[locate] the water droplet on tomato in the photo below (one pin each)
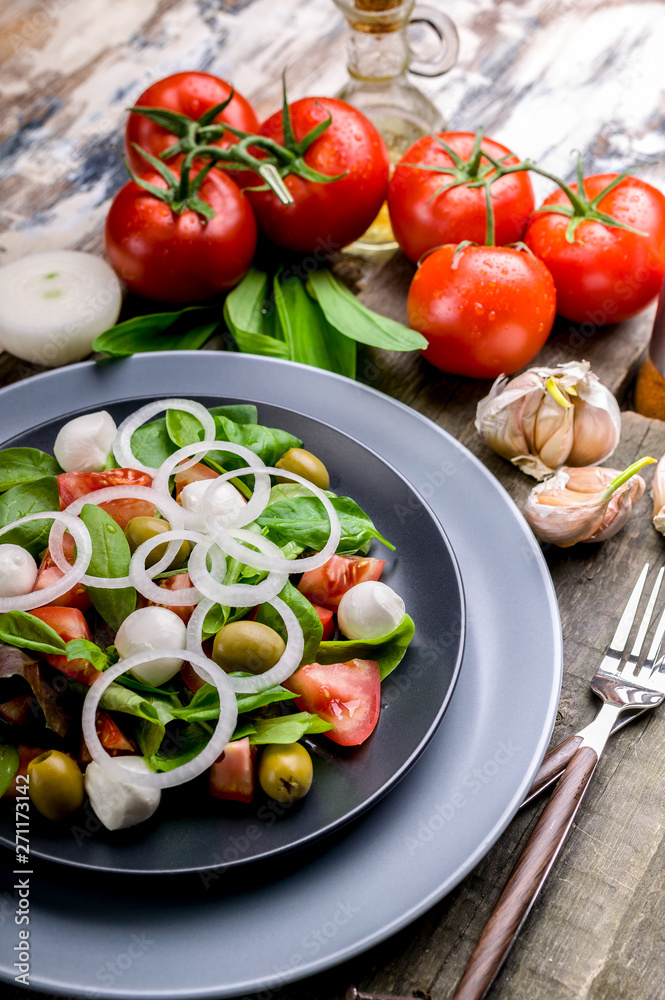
(479, 307)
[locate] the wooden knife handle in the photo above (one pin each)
(554, 763)
(527, 877)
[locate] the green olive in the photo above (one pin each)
(285, 771)
(248, 646)
(56, 784)
(304, 464)
(140, 529)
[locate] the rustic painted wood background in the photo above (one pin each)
(546, 78)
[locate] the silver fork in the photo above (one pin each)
(555, 760)
(620, 689)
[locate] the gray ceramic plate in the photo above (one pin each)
(185, 833)
(225, 933)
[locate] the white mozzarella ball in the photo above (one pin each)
(115, 801)
(84, 444)
(152, 628)
(226, 501)
(18, 571)
(369, 610)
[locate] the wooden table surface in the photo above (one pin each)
(546, 78)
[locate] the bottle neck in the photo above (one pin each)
(377, 55)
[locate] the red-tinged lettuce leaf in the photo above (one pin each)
(51, 698)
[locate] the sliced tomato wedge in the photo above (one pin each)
(69, 623)
(348, 695)
(327, 620)
(327, 584)
(232, 774)
(111, 735)
(73, 485)
(49, 573)
(180, 581)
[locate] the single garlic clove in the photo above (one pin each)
(572, 506)
(554, 432)
(597, 429)
(562, 523)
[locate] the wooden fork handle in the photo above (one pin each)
(527, 877)
(554, 763)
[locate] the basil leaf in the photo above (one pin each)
(30, 498)
(181, 330)
(110, 558)
(9, 764)
(247, 319)
(83, 649)
(24, 465)
(306, 615)
(388, 651)
(287, 728)
(310, 338)
(302, 519)
(350, 317)
(18, 628)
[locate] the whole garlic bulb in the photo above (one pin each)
(546, 417)
(583, 504)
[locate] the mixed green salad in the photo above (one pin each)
(181, 595)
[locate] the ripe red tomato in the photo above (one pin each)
(422, 219)
(179, 581)
(69, 623)
(111, 735)
(348, 695)
(487, 311)
(327, 622)
(607, 274)
(190, 94)
(194, 474)
(232, 774)
(172, 257)
(73, 485)
(49, 573)
(326, 584)
(325, 216)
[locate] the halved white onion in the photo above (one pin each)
(288, 662)
(255, 466)
(122, 446)
(72, 574)
(141, 579)
(136, 492)
(228, 714)
(53, 304)
(223, 536)
(235, 595)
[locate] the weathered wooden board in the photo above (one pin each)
(546, 78)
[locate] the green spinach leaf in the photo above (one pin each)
(24, 465)
(167, 331)
(350, 317)
(18, 628)
(295, 516)
(287, 728)
(30, 498)
(110, 558)
(388, 651)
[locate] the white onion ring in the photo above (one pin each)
(72, 575)
(122, 446)
(288, 662)
(224, 539)
(228, 714)
(104, 495)
(235, 595)
(140, 579)
(255, 465)
(195, 626)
